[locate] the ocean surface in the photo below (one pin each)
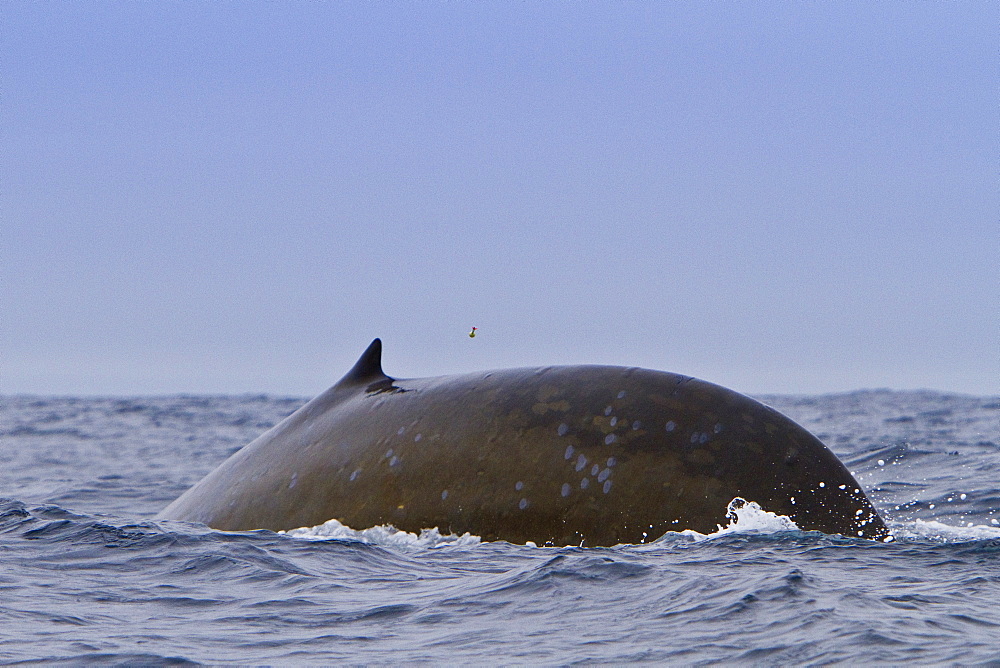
(87, 577)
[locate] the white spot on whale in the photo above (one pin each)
(394, 461)
(581, 461)
(444, 495)
(584, 483)
(388, 453)
(565, 489)
(607, 411)
(523, 504)
(416, 439)
(636, 425)
(355, 474)
(563, 428)
(295, 479)
(519, 486)
(399, 432)
(604, 475)
(671, 425)
(569, 451)
(607, 486)
(621, 395)
(614, 421)
(609, 439)
(612, 461)
(595, 469)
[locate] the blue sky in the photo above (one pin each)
(238, 197)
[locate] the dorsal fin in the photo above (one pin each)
(368, 368)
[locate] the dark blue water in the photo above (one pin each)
(86, 577)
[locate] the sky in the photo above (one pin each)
(206, 197)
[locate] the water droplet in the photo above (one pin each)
(822, 484)
(962, 496)
(881, 462)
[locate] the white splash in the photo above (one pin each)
(748, 517)
(934, 530)
(745, 517)
(386, 536)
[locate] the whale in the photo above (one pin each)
(562, 455)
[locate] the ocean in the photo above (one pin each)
(86, 577)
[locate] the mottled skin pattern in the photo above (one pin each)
(582, 455)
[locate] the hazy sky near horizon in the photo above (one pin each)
(208, 197)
